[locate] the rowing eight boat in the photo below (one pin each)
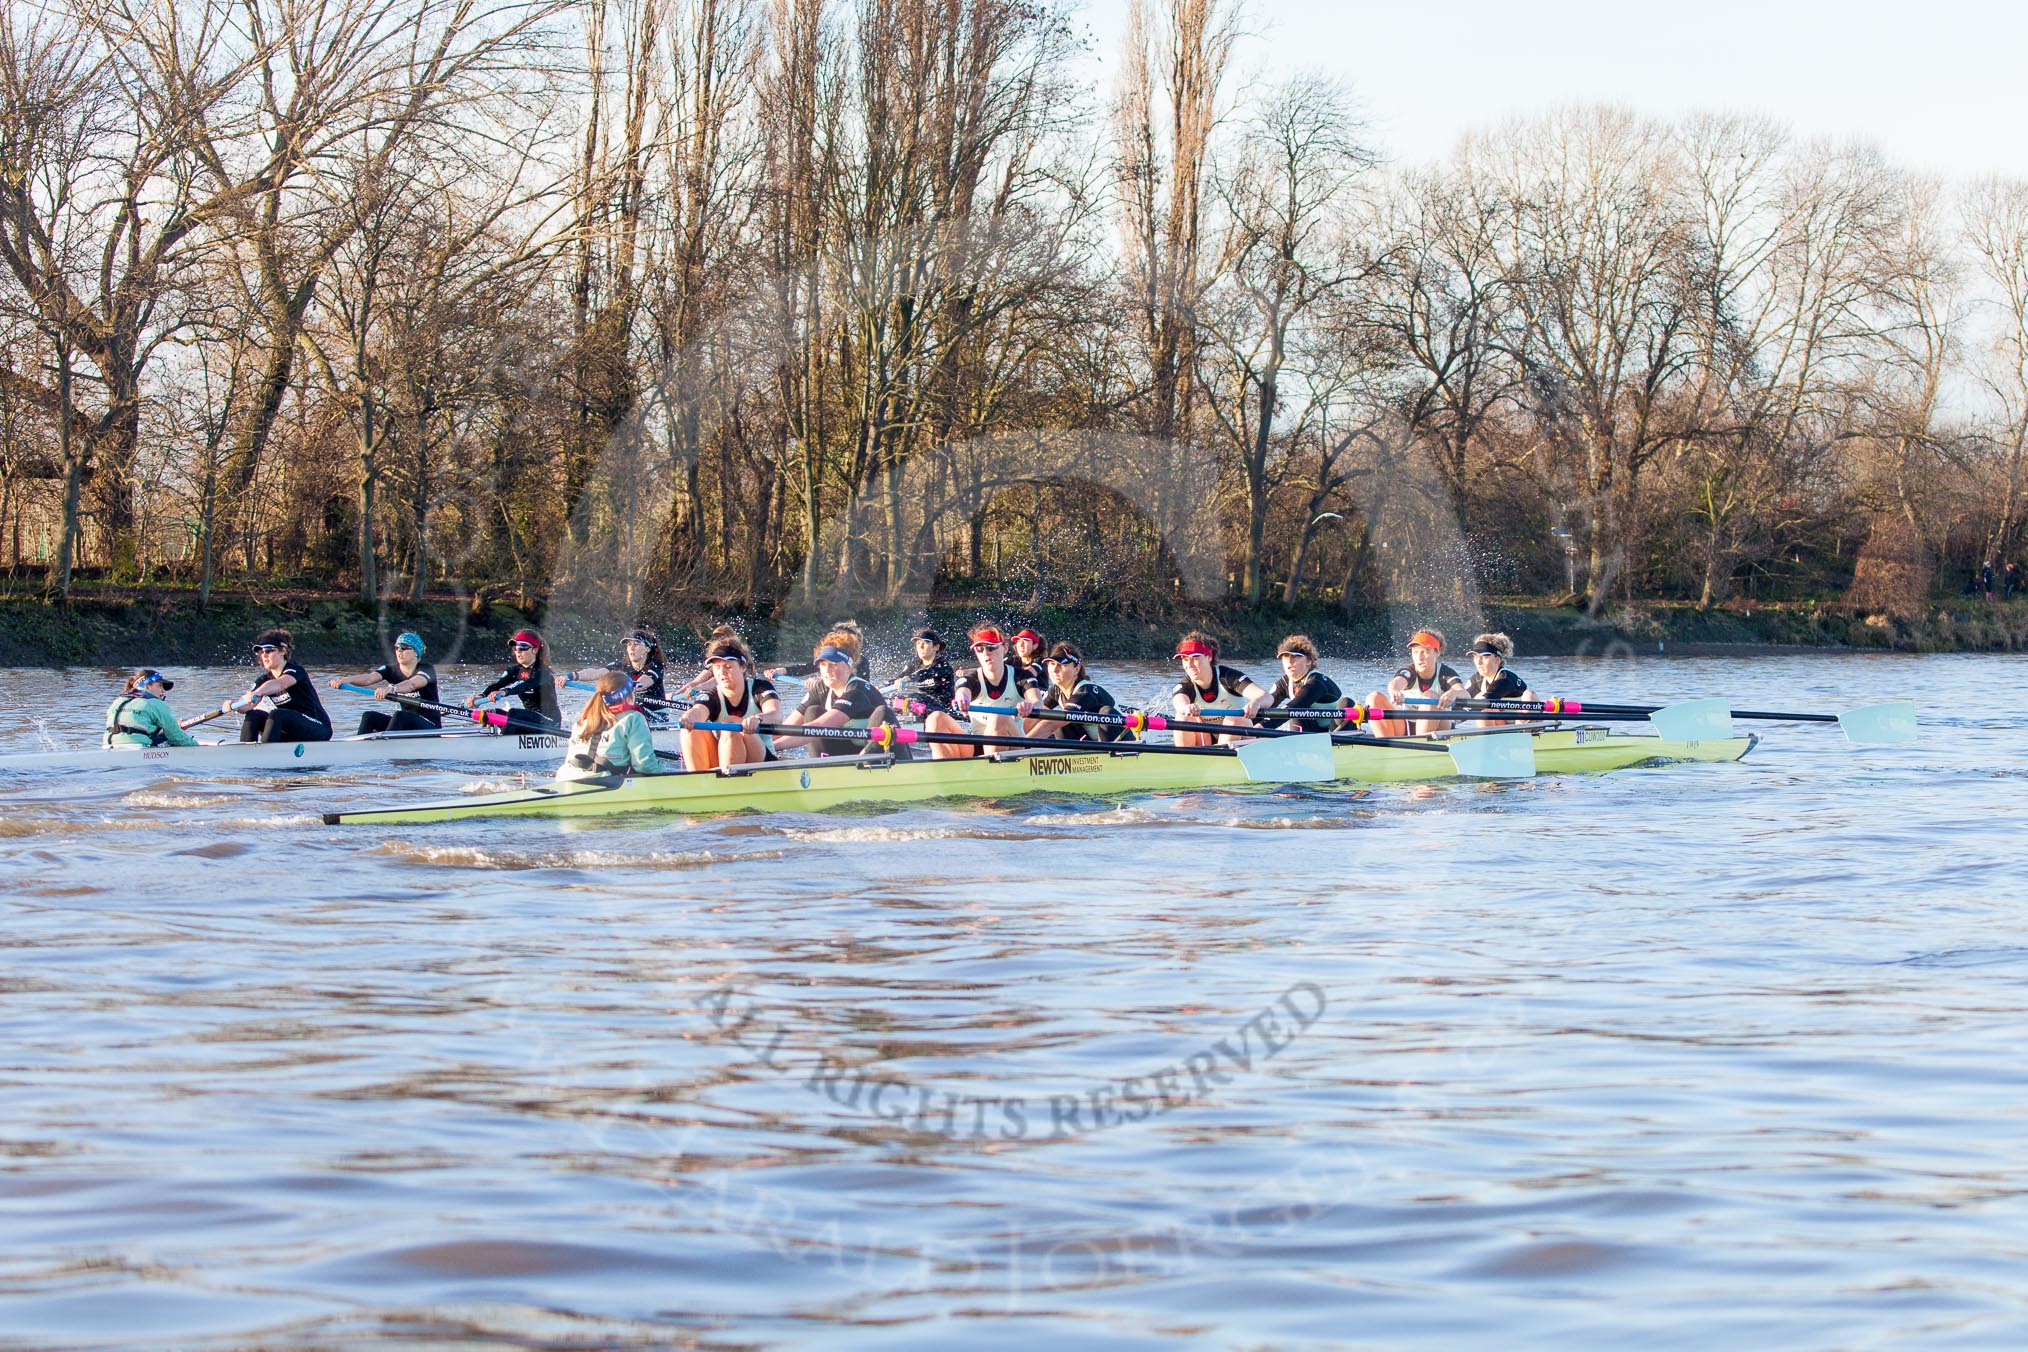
(481, 746)
(1082, 768)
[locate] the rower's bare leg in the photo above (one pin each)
(1386, 727)
(1235, 723)
(939, 721)
(740, 748)
(700, 749)
(995, 725)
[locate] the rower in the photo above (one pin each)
(841, 698)
(735, 695)
(862, 666)
(1424, 678)
(141, 717)
(1490, 677)
(641, 662)
(994, 680)
(408, 674)
(697, 683)
(529, 679)
(1031, 656)
(846, 638)
(611, 737)
(1204, 680)
(296, 714)
(1071, 688)
(932, 679)
(1302, 686)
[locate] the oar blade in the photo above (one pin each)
(1697, 720)
(1880, 724)
(1303, 758)
(1498, 755)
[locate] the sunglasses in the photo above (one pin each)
(266, 648)
(987, 647)
(524, 647)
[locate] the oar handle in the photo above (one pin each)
(188, 723)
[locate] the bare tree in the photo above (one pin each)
(1919, 318)
(1286, 253)
(1996, 224)
(1596, 242)
(1167, 107)
(1437, 308)
(1786, 291)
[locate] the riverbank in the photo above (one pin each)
(170, 628)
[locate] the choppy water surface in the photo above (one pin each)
(1686, 1057)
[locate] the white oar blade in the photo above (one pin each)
(1498, 755)
(1880, 724)
(1697, 720)
(1287, 760)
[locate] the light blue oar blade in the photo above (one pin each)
(1697, 720)
(1285, 760)
(1498, 755)
(1879, 724)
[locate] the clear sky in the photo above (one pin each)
(1941, 87)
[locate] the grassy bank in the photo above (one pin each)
(170, 628)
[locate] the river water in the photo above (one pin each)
(1683, 1057)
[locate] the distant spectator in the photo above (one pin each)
(2011, 582)
(1986, 580)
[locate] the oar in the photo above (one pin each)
(1263, 769)
(1868, 725)
(1496, 756)
(188, 723)
(1691, 721)
(491, 717)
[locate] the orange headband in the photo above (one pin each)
(1426, 639)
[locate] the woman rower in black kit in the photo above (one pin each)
(407, 674)
(1071, 688)
(295, 713)
(1490, 677)
(1302, 686)
(528, 679)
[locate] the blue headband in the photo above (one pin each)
(410, 640)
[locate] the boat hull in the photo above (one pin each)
(815, 785)
(474, 747)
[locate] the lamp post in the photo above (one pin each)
(1562, 536)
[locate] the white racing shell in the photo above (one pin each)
(471, 746)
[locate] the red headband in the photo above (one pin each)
(1193, 648)
(1028, 634)
(525, 637)
(987, 635)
